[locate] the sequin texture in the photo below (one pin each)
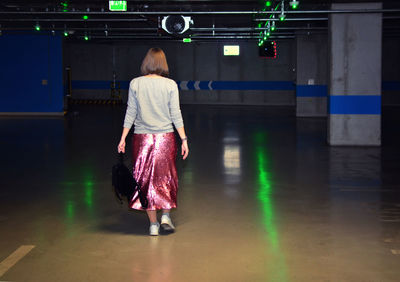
(154, 169)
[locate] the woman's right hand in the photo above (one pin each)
(121, 146)
(185, 149)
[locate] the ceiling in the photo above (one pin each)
(212, 20)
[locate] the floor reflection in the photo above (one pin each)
(278, 269)
(232, 166)
(232, 160)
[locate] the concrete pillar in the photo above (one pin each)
(354, 111)
(311, 75)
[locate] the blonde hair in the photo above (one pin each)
(155, 62)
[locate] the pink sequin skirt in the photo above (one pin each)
(154, 169)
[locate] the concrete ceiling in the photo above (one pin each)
(213, 20)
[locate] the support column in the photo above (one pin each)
(311, 75)
(354, 111)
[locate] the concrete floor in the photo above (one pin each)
(262, 198)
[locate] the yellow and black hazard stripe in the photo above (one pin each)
(95, 102)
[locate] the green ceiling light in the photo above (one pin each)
(85, 17)
(65, 31)
(294, 4)
(282, 15)
(37, 26)
(86, 38)
(268, 3)
(187, 40)
(64, 6)
(273, 26)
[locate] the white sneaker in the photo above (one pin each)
(166, 223)
(154, 229)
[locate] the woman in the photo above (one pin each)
(153, 108)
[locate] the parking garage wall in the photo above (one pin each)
(244, 79)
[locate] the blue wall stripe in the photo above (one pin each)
(216, 85)
(253, 85)
(311, 91)
(90, 84)
(204, 84)
(97, 84)
(391, 85)
(302, 90)
(355, 105)
(124, 84)
(190, 84)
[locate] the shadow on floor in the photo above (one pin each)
(127, 222)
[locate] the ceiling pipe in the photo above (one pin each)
(358, 11)
(249, 28)
(291, 19)
(197, 29)
(312, 19)
(239, 33)
(193, 38)
(145, 20)
(138, 20)
(73, 20)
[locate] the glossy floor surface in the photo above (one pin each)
(261, 198)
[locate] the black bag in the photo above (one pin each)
(124, 184)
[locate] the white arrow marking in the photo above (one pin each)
(209, 85)
(197, 85)
(183, 85)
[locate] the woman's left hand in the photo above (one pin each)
(185, 149)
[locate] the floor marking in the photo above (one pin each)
(12, 259)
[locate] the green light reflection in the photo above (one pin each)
(69, 208)
(264, 196)
(89, 194)
(75, 195)
(88, 190)
(188, 176)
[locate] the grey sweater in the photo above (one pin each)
(153, 105)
